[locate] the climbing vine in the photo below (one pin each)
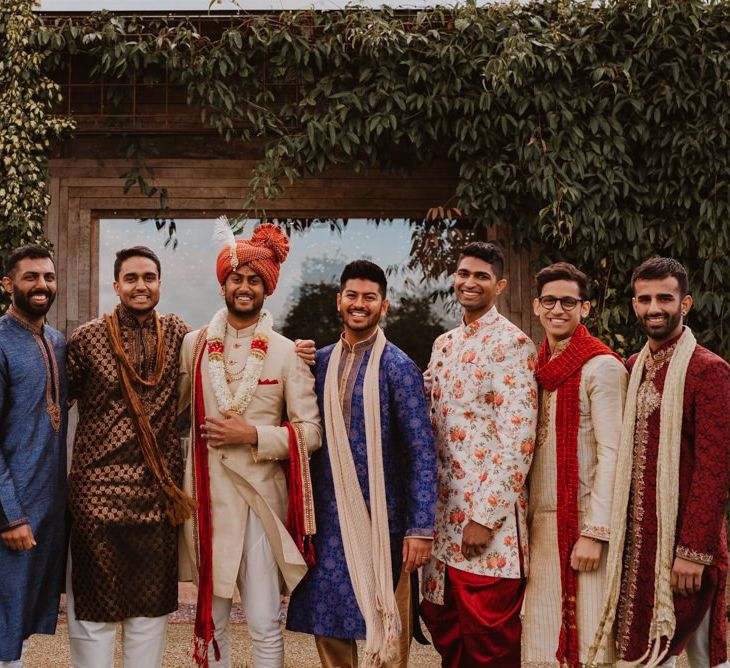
(27, 125)
(596, 133)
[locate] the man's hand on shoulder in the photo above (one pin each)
(19, 539)
(475, 539)
(586, 555)
(231, 430)
(416, 552)
(305, 349)
(686, 576)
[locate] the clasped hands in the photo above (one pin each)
(231, 430)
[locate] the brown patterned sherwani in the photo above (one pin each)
(123, 549)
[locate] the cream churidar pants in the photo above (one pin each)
(698, 648)
(92, 643)
(258, 584)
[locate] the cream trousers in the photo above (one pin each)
(698, 648)
(92, 643)
(258, 584)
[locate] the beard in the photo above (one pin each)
(22, 302)
(671, 323)
(250, 311)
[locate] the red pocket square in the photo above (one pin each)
(268, 381)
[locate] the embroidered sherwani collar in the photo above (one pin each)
(661, 356)
(487, 320)
(359, 346)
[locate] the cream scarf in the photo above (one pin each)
(365, 536)
(663, 621)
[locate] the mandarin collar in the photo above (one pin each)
(662, 349)
(127, 319)
(486, 320)
(560, 346)
(242, 333)
(360, 345)
(21, 320)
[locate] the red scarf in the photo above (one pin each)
(300, 514)
(563, 373)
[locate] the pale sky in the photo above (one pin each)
(189, 286)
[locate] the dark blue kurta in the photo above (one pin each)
(32, 482)
(324, 603)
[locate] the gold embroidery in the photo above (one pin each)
(692, 555)
(595, 531)
(648, 401)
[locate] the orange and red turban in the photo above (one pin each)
(263, 252)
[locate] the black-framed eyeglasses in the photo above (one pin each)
(567, 303)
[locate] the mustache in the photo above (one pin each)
(40, 291)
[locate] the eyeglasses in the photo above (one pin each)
(567, 303)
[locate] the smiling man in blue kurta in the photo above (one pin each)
(32, 454)
(374, 487)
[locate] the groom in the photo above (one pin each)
(242, 380)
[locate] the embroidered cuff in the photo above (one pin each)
(692, 555)
(14, 524)
(420, 532)
(596, 531)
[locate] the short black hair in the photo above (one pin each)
(365, 270)
(657, 268)
(487, 251)
(135, 251)
(32, 251)
(562, 271)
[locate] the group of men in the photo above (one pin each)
(338, 486)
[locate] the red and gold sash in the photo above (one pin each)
(563, 373)
(300, 515)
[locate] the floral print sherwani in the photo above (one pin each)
(483, 395)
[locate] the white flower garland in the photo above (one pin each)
(251, 372)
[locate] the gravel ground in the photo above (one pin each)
(53, 651)
(47, 651)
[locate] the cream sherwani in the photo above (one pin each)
(602, 392)
(244, 478)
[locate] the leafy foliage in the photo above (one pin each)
(313, 315)
(27, 124)
(597, 132)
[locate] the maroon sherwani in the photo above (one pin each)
(704, 481)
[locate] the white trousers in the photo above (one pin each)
(18, 663)
(698, 648)
(258, 584)
(92, 643)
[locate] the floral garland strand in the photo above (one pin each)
(254, 364)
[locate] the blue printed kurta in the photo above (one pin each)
(324, 603)
(32, 480)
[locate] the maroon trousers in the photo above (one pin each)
(479, 623)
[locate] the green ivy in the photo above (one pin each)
(598, 133)
(27, 125)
